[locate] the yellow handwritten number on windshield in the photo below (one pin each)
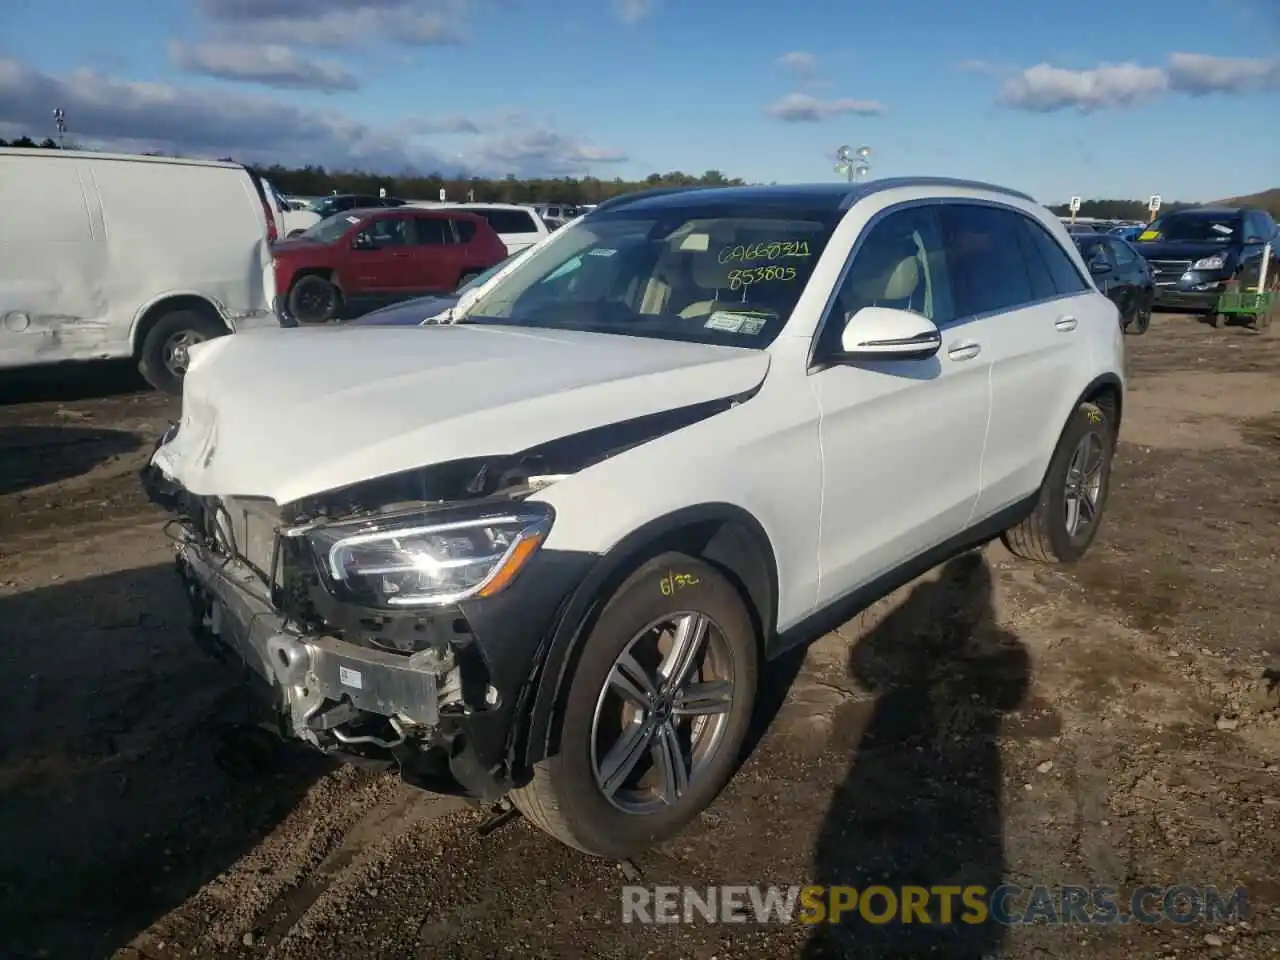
(776, 250)
(745, 278)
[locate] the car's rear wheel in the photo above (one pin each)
(163, 357)
(1141, 321)
(655, 715)
(1066, 516)
(313, 299)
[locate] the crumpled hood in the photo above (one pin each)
(287, 414)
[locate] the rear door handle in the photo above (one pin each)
(1066, 323)
(964, 351)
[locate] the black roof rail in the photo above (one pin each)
(623, 199)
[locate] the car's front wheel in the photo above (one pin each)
(655, 715)
(1066, 517)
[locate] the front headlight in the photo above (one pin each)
(1216, 262)
(416, 560)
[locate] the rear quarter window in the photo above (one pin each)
(509, 221)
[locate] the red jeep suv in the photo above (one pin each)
(362, 259)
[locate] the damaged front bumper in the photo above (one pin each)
(449, 714)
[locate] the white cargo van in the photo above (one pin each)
(109, 255)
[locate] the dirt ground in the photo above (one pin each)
(1110, 723)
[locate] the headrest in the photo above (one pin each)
(886, 271)
(903, 280)
(709, 273)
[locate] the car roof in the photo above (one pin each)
(829, 197)
(1211, 211)
(407, 208)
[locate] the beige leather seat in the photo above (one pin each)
(711, 277)
(886, 275)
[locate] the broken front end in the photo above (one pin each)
(385, 622)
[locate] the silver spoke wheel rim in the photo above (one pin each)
(175, 351)
(1084, 484)
(661, 716)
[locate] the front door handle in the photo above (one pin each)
(1066, 323)
(964, 351)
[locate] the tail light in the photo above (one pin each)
(272, 233)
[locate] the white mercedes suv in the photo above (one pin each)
(541, 554)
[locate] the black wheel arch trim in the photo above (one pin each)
(532, 739)
(1106, 380)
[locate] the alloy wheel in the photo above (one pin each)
(1084, 484)
(661, 716)
(175, 351)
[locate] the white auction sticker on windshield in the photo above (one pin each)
(731, 321)
(1222, 228)
(601, 252)
(353, 219)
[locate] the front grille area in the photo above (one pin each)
(1168, 271)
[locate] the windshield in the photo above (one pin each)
(481, 278)
(327, 231)
(1197, 228)
(714, 274)
(330, 205)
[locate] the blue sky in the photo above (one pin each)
(1115, 100)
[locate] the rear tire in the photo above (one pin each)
(1048, 534)
(162, 359)
(313, 299)
(467, 278)
(1141, 321)
(568, 797)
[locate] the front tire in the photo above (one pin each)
(1069, 511)
(162, 359)
(655, 715)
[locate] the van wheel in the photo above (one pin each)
(314, 300)
(1067, 515)
(655, 715)
(163, 357)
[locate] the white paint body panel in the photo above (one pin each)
(290, 413)
(850, 471)
(90, 242)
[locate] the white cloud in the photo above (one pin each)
(340, 23)
(1045, 89)
(268, 64)
(799, 64)
(107, 113)
(633, 11)
(802, 108)
(1198, 74)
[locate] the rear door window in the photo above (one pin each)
(432, 232)
(988, 271)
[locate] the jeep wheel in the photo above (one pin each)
(1066, 517)
(655, 715)
(314, 300)
(162, 359)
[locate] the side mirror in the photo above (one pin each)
(1099, 266)
(363, 241)
(882, 333)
